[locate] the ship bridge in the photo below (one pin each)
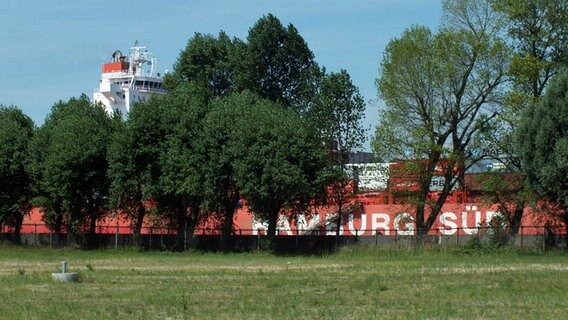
(128, 79)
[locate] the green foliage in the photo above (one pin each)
(542, 143)
(69, 162)
(537, 35)
(210, 61)
(338, 112)
(408, 127)
(16, 131)
(493, 246)
(279, 159)
(134, 152)
(180, 160)
(220, 151)
(538, 31)
(183, 111)
(277, 64)
(442, 94)
(133, 156)
(216, 145)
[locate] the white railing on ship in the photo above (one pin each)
(147, 88)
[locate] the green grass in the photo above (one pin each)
(356, 283)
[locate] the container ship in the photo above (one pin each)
(374, 208)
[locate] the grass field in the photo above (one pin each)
(356, 283)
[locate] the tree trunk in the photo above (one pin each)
(92, 235)
(180, 235)
(193, 217)
(420, 212)
(229, 207)
(448, 177)
(565, 218)
(140, 214)
(18, 229)
(192, 223)
(272, 221)
(57, 229)
(227, 229)
(515, 221)
(93, 224)
(436, 209)
(425, 178)
(339, 222)
(181, 225)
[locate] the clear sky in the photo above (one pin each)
(53, 50)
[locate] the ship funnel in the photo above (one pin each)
(116, 56)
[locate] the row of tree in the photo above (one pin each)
(470, 91)
(256, 119)
(250, 119)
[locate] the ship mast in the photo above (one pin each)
(139, 57)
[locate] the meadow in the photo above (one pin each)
(354, 283)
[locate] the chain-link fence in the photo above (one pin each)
(541, 237)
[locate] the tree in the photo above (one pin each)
(537, 36)
(181, 189)
(133, 156)
(337, 114)
(442, 94)
(210, 61)
(542, 144)
(277, 64)
(71, 171)
(221, 152)
(280, 159)
(16, 131)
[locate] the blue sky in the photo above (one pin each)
(53, 50)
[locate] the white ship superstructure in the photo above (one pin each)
(128, 79)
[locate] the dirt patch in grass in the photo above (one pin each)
(12, 267)
(499, 268)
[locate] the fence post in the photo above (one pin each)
(457, 236)
(543, 238)
(116, 238)
(150, 241)
(498, 233)
(522, 232)
(395, 238)
(416, 235)
(185, 238)
(376, 238)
